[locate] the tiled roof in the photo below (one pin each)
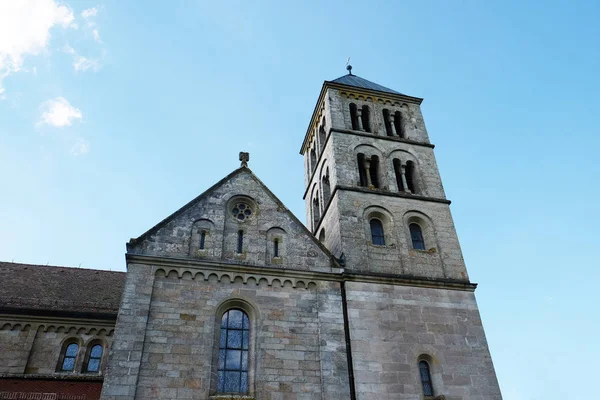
(59, 289)
(357, 81)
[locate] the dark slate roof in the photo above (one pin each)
(41, 288)
(357, 81)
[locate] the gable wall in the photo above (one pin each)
(179, 237)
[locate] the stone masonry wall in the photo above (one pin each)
(297, 335)
(34, 348)
(394, 327)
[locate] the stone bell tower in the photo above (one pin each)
(373, 191)
(374, 197)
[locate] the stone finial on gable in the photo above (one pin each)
(244, 158)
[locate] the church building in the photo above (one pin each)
(233, 297)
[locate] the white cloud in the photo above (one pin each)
(96, 35)
(80, 147)
(59, 112)
(90, 12)
(81, 63)
(25, 30)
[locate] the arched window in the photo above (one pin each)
(374, 171)
(377, 237)
(425, 378)
(240, 242)
(416, 235)
(233, 352)
(202, 240)
(94, 358)
(398, 124)
(354, 117)
(362, 172)
(322, 236)
(313, 160)
(387, 122)
(398, 173)
(366, 118)
(276, 248)
(69, 357)
(410, 176)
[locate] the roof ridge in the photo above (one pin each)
(73, 268)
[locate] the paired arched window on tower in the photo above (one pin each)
(368, 170)
(393, 122)
(405, 176)
(360, 118)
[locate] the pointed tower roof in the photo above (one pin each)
(356, 81)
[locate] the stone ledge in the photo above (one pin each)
(55, 377)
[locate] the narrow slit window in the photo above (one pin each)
(354, 116)
(410, 177)
(366, 118)
(398, 124)
(426, 378)
(70, 356)
(276, 248)
(362, 172)
(240, 242)
(387, 121)
(202, 240)
(377, 236)
(233, 352)
(416, 235)
(374, 171)
(398, 173)
(94, 359)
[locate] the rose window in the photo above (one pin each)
(241, 211)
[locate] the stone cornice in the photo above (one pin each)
(194, 266)
(55, 377)
(378, 192)
(362, 134)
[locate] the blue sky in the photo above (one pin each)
(114, 114)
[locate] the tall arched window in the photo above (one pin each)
(94, 358)
(377, 236)
(398, 124)
(354, 117)
(416, 235)
(425, 378)
(366, 118)
(322, 236)
(275, 247)
(362, 172)
(313, 160)
(233, 352)
(69, 357)
(410, 176)
(387, 122)
(374, 171)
